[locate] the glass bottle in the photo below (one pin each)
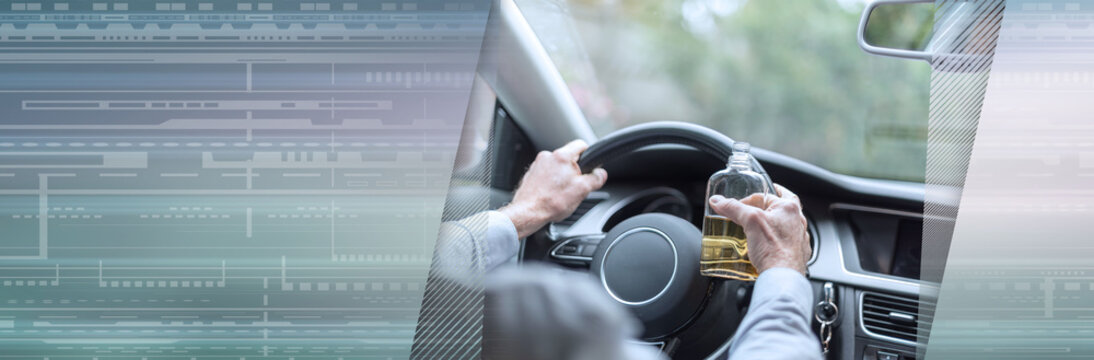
(725, 247)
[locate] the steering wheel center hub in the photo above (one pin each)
(650, 263)
(634, 283)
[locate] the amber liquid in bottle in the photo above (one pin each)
(724, 246)
(725, 250)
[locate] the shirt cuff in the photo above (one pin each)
(501, 239)
(785, 283)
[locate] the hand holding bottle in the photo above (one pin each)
(776, 231)
(725, 247)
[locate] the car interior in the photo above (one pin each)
(866, 233)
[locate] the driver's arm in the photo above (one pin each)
(550, 190)
(777, 323)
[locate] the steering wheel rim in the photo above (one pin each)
(715, 318)
(629, 139)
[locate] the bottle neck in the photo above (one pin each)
(739, 162)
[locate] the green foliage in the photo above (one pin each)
(785, 75)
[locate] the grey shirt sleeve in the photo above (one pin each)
(502, 243)
(471, 246)
(777, 323)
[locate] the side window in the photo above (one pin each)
(512, 151)
(493, 150)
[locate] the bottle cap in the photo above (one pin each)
(741, 147)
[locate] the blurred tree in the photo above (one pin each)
(785, 75)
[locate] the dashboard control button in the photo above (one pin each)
(588, 250)
(576, 249)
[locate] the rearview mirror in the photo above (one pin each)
(901, 29)
(962, 31)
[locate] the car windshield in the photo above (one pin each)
(784, 75)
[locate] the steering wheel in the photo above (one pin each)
(649, 263)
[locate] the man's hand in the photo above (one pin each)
(552, 188)
(776, 231)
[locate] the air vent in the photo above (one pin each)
(892, 317)
(583, 208)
